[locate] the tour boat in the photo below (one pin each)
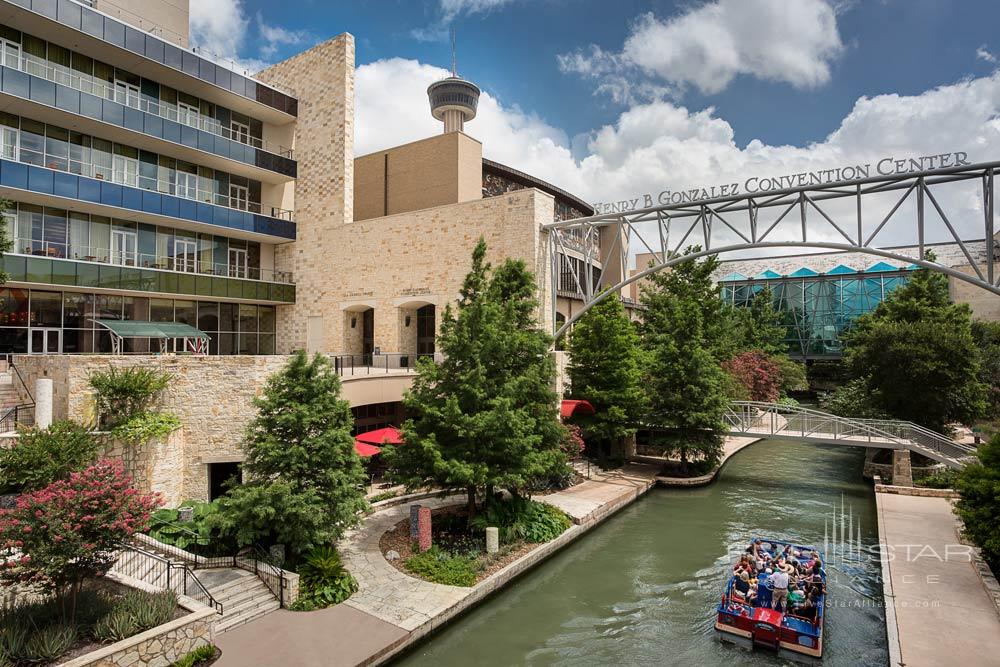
(753, 623)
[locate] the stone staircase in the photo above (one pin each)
(9, 397)
(243, 595)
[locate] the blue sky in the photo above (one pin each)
(901, 46)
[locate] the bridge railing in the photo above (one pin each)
(754, 417)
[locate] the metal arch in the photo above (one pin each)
(695, 220)
(777, 244)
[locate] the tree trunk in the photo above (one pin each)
(471, 502)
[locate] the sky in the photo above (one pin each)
(609, 99)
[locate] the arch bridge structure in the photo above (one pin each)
(954, 204)
(785, 422)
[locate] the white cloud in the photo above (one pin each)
(659, 145)
(983, 53)
(218, 26)
(275, 36)
(792, 42)
(448, 11)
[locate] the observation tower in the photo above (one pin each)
(453, 100)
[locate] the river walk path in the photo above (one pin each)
(391, 610)
(938, 611)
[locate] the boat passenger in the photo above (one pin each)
(779, 594)
(806, 609)
(741, 585)
(795, 596)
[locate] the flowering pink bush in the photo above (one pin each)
(68, 531)
(572, 444)
(758, 373)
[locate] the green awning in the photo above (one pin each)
(142, 329)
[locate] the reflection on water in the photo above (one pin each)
(642, 588)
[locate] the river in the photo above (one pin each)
(641, 589)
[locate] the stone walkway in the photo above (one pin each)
(937, 610)
(391, 610)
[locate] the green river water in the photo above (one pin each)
(641, 589)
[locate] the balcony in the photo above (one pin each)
(110, 40)
(152, 125)
(39, 263)
(158, 202)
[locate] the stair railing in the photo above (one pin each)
(139, 564)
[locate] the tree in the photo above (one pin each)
(486, 415)
(987, 338)
(305, 478)
(605, 368)
(681, 332)
(757, 373)
(43, 455)
(756, 326)
(916, 356)
(978, 486)
(69, 531)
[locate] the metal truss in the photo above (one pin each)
(833, 216)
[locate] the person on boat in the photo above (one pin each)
(786, 566)
(779, 592)
(741, 586)
(806, 609)
(795, 596)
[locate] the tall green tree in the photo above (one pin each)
(304, 477)
(756, 326)
(485, 416)
(987, 337)
(915, 356)
(978, 486)
(6, 243)
(605, 368)
(681, 330)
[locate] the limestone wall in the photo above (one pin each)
(159, 646)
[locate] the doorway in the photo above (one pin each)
(222, 476)
(368, 336)
(45, 341)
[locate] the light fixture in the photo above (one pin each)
(354, 322)
(406, 321)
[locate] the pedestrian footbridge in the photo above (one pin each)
(777, 421)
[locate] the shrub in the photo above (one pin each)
(199, 655)
(758, 373)
(115, 626)
(47, 643)
(441, 567)
(146, 426)
(149, 610)
(979, 505)
(200, 535)
(946, 479)
(123, 393)
(44, 455)
(522, 519)
(325, 581)
(69, 531)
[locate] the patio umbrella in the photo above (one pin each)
(365, 449)
(390, 435)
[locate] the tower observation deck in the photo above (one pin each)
(453, 101)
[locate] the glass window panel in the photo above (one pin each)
(227, 343)
(248, 318)
(13, 340)
(228, 317)
(161, 310)
(100, 237)
(80, 158)
(248, 343)
(46, 309)
(77, 308)
(13, 307)
(136, 308)
(56, 148)
(32, 142)
(266, 344)
(55, 232)
(185, 312)
(102, 157)
(267, 319)
(109, 307)
(208, 316)
(29, 229)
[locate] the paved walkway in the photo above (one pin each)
(937, 607)
(391, 610)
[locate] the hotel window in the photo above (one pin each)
(240, 128)
(83, 72)
(126, 89)
(10, 52)
(8, 137)
(80, 157)
(32, 142)
(56, 148)
(188, 109)
(33, 55)
(187, 180)
(126, 165)
(59, 65)
(102, 155)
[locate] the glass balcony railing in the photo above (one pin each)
(130, 97)
(90, 275)
(130, 258)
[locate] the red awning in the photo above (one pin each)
(390, 435)
(575, 409)
(365, 450)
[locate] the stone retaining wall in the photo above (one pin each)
(913, 490)
(159, 646)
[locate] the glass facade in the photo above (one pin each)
(816, 309)
(49, 321)
(155, 49)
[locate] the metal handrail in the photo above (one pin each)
(88, 84)
(256, 560)
(17, 372)
(7, 423)
(167, 567)
(384, 362)
(744, 416)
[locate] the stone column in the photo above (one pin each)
(492, 540)
(415, 521)
(43, 402)
(902, 474)
(424, 529)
